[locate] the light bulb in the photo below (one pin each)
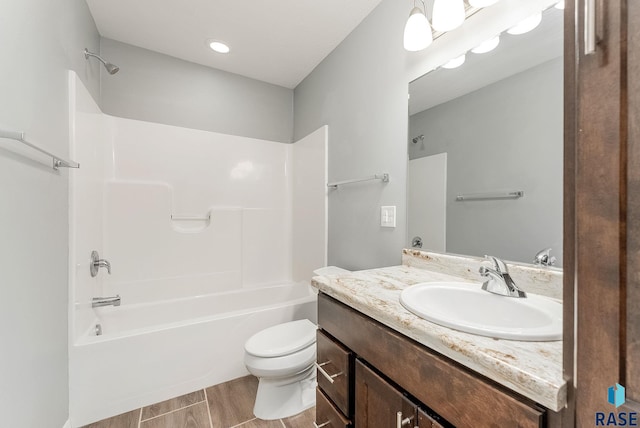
(482, 3)
(456, 62)
(526, 25)
(487, 45)
(560, 5)
(448, 14)
(417, 31)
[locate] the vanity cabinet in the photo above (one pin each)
(390, 373)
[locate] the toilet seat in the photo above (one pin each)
(282, 339)
(281, 366)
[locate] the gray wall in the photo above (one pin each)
(159, 88)
(505, 136)
(360, 91)
(41, 39)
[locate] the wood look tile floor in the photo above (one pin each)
(228, 405)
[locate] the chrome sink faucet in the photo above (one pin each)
(544, 258)
(498, 279)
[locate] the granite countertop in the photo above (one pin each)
(533, 369)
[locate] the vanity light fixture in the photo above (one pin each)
(526, 25)
(218, 46)
(456, 62)
(522, 27)
(448, 14)
(417, 31)
(487, 45)
(482, 3)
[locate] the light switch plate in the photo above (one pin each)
(388, 216)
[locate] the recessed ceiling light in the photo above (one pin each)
(487, 45)
(218, 46)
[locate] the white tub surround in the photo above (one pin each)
(206, 234)
(533, 369)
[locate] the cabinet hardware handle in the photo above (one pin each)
(322, 371)
(593, 25)
(315, 425)
(401, 422)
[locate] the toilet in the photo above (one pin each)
(282, 357)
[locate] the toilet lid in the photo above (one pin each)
(282, 339)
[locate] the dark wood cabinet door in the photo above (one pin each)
(378, 402)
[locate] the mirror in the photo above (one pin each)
(486, 150)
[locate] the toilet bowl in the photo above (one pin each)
(282, 357)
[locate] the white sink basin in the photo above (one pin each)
(466, 307)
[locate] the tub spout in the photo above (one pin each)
(97, 302)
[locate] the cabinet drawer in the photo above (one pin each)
(328, 416)
(334, 371)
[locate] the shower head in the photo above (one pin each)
(111, 69)
(418, 138)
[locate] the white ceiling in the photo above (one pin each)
(276, 41)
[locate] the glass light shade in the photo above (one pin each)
(526, 25)
(456, 62)
(417, 31)
(560, 5)
(448, 14)
(482, 3)
(487, 45)
(219, 47)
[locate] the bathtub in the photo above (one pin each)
(150, 352)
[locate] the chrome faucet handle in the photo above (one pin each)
(104, 263)
(499, 265)
(97, 263)
(485, 271)
(506, 286)
(544, 258)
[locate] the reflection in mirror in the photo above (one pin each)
(483, 132)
